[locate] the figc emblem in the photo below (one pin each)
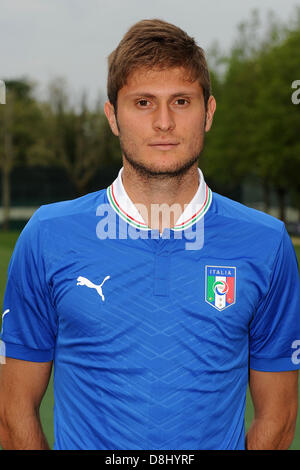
(220, 286)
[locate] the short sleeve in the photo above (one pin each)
(275, 327)
(29, 321)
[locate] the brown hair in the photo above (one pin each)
(155, 44)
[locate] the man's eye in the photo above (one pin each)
(143, 103)
(181, 101)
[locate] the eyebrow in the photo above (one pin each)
(150, 95)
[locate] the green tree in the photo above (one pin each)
(278, 119)
(77, 137)
(19, 126)
(255, 130)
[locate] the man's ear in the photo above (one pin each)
(111, 117)
(210, 111)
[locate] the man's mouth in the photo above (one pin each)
(164, 145)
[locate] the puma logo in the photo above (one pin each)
(83, 281)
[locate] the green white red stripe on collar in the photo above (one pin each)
(198, 214)
(121, 212)
(132, 217)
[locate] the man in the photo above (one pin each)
(155, 298)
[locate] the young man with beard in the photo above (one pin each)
(156, 299)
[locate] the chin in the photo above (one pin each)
(166, 168)
(161, 164)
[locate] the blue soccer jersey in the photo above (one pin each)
(152, 335)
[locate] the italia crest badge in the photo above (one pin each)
(220, 286)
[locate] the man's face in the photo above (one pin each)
(161, 120)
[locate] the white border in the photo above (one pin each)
(223, 267)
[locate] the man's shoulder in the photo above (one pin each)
(79, 206)
(240, 214)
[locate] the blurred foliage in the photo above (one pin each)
(20, 120)
(256, 125)
(75, 138)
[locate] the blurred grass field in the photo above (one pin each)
(7, 242)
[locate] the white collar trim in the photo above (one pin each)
(126, 209)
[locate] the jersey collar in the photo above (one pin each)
(126, 209)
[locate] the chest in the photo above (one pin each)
(153, 296)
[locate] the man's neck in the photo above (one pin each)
(160, 201)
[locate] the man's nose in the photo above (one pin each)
(163, 118)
